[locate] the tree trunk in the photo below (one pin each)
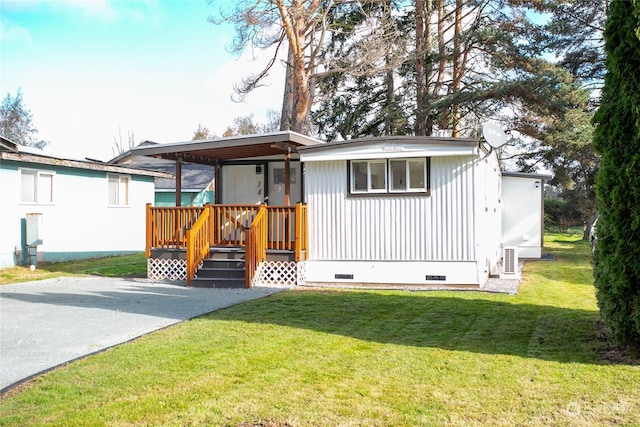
(423, 41)
(287, 97)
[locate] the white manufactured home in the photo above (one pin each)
(384, 212)
(402, 210)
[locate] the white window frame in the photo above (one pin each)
(388, 176)
(40, 194)
(407, 178)
(123, 182)
(370, 189)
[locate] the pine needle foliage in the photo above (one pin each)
(617, 139)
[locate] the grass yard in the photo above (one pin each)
(363, 358)
(117, 266)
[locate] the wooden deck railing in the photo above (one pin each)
(198, 228)
(256, 245)
(198, 243)
(230, 223)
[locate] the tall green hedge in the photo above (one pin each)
(617, 139)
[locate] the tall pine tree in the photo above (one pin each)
(617, 139)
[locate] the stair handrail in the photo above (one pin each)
(198, 243)
(256, 244)
(227, 224)
(166, 226)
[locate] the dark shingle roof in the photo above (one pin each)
(194, 176)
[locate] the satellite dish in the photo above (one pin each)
(494, 135)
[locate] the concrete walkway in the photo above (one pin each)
(48, 323)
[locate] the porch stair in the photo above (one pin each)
(225, 268)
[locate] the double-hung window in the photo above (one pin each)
(36, 186)
(389, 176)
(118, 190)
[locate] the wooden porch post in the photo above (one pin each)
(178, 182)
(150, 229)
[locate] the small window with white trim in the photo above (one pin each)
(408, 175)
(36, 186)
(389, 176)
(118, 190)
(368, 176)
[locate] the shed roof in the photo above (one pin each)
(216, 150)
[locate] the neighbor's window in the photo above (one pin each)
(389, 176)
(118, 190)
(369, 176)
(36, 186)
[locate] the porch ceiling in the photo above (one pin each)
(217, 150)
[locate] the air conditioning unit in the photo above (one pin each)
(510, 260)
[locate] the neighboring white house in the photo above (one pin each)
(53, 209)
(402, 210)
(523, 212)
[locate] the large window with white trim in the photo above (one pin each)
(36, 186)
(389, 176)
(118, 190)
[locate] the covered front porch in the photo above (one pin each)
(257, 226)
(272, 239)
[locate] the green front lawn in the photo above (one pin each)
(340, 357)
(134, 265)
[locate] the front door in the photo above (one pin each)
(242, 184)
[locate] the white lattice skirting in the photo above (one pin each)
(166, 269)
(279, 273)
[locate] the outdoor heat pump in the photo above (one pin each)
(510, 260)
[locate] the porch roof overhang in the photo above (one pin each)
(215, 151)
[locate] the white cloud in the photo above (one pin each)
(219, 88)
(10, 32)
(102, 10)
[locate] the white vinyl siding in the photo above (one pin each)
(392, 226)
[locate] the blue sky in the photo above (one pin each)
(93, 69)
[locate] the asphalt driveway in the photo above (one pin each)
(48, 323)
